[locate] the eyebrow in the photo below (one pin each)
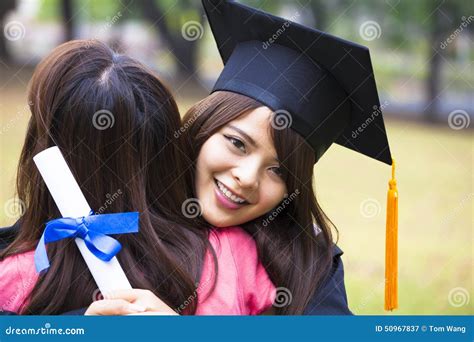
(248, 137)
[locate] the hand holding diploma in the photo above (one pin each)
(130, 302)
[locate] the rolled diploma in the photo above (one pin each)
(71, 202)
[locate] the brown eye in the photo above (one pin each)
(277, 170)
(236, 142)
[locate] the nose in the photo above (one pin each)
(246, 176)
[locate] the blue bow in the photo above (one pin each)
(92, 229)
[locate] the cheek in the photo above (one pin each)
(271, 195)
(204, 159)
(213, 158)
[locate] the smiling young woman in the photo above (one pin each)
(239, 155)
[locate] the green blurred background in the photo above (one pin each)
(422, 55)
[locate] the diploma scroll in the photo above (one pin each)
(71, 202)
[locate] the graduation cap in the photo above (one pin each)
(324, 84)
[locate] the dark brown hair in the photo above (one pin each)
(114, 121)
(296, 256)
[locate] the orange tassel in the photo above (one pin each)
(391, 248)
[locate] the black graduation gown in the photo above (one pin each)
(331, 299)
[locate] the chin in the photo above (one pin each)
(218, 221)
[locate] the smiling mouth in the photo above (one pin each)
(229, 194)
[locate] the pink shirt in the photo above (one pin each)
(17, 278)
(242, 287)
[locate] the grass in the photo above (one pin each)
(435, 182)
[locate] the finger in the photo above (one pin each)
(144, 298)
(158, 308)
(151, 313)
(129, 295)
(113, 307)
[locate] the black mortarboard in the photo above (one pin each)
(325, 83)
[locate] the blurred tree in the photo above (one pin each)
(445, 19)
(319, 10)
(169, 19)
(5, 7)
(419, 27)
(67, 14)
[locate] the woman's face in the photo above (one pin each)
(238, 174)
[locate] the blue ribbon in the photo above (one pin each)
(92, 229)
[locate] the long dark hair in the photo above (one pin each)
(114, 122)
(295, 244)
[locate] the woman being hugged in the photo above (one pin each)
(113, 121)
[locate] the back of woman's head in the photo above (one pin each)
(113, 121)
(111, 117)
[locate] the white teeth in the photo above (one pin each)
(229, 194)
